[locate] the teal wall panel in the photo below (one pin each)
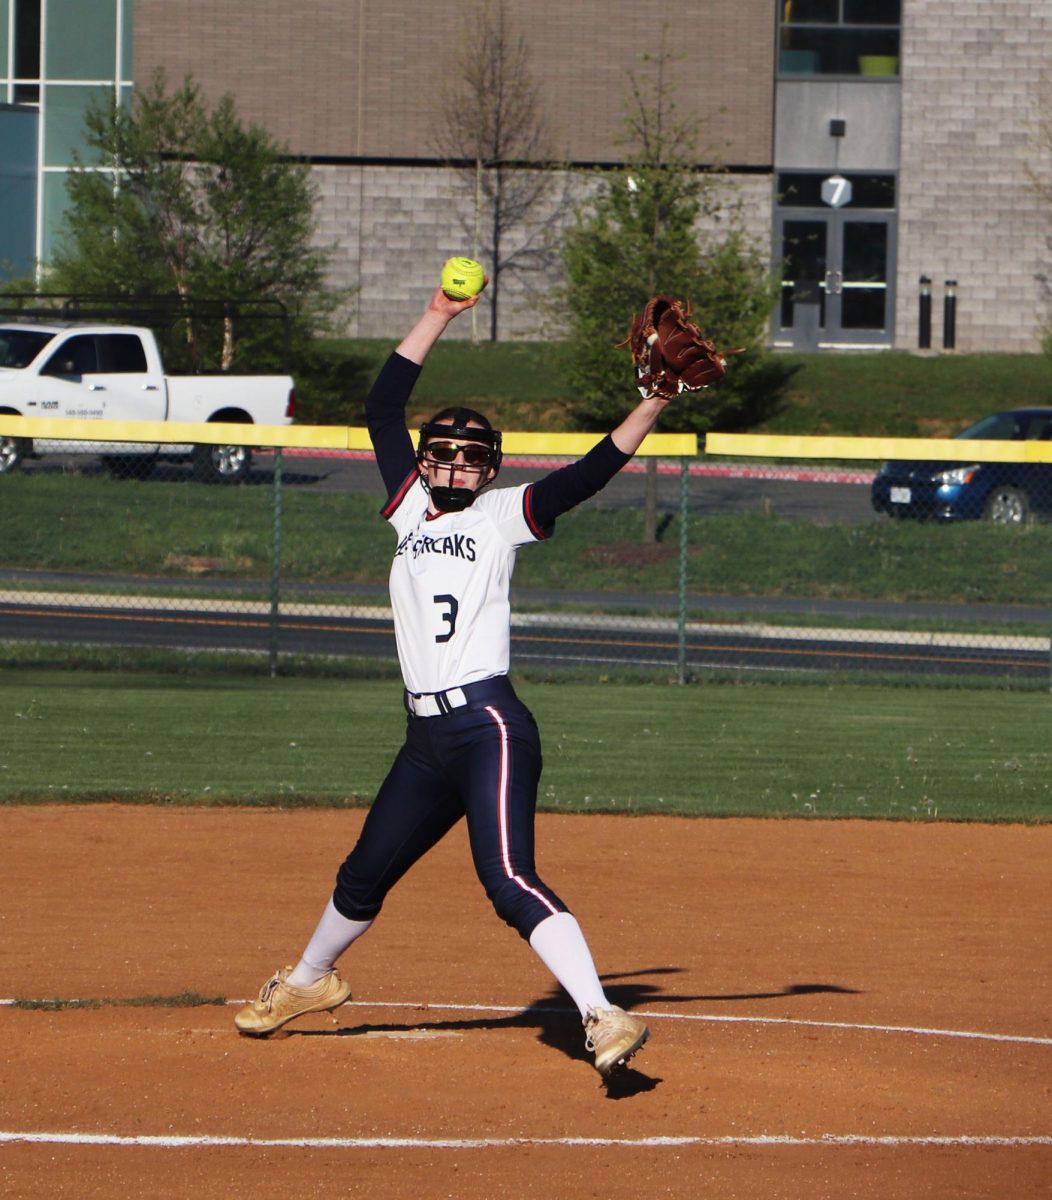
(18, 190)
(5, 6)
(127, 35)
(54, 208)
(88, 45)
(81, 39)
(64, 110)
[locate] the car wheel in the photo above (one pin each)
(12, 451)
(1007, 506)
(222, 464)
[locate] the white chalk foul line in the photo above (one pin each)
(176, 1142)
(913, 1029)
(717, 1020)
(515, 1010)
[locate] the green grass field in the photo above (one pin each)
(890, 394)
(179, 734)
(781, 751)
(96, 524)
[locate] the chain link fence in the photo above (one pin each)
(754, 561)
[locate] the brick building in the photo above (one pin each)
(870, 143)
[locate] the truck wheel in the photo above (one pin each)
(12, 451)
(1008, 506)
(222, 464)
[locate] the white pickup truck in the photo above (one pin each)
(114, 372)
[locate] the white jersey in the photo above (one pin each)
(450, 584)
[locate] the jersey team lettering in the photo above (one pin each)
(458, 545)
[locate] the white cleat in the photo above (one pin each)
(613, 1036)
(280, 1001)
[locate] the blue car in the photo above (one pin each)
(1005, 493)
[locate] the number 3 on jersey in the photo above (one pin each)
(449, 616)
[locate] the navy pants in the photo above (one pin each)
(481, 761)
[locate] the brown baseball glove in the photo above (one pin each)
(670, 352)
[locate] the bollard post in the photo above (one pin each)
(924, 327)
(949, 315)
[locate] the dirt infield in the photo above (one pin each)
(839, 1009)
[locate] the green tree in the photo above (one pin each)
(491, 128)
(657, 224)
(175, 198)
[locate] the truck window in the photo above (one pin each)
(75, 357)
(122, 354)
(18, 347)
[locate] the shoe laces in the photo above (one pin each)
(266, 992)
(601, 1025)
(593, 1027)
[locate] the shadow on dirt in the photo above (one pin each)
(557, 1025)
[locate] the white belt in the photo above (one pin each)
(435, 704)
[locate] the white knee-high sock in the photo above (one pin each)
(560, 945)
(331, 938)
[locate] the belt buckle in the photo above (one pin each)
(423, 705)
(436, 704)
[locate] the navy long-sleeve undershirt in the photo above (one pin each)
(550, 497)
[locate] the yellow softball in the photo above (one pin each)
(462, 278)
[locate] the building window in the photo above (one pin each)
(27, 52)
(839, 37)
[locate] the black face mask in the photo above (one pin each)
(456, 499)
(450, 499)
(446, 497)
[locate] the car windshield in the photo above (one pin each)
(1001, 427)
(18, 347)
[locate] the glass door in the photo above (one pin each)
(805, 263)
(862, 281)
(839, 268)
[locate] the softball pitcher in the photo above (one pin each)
(471, 749)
